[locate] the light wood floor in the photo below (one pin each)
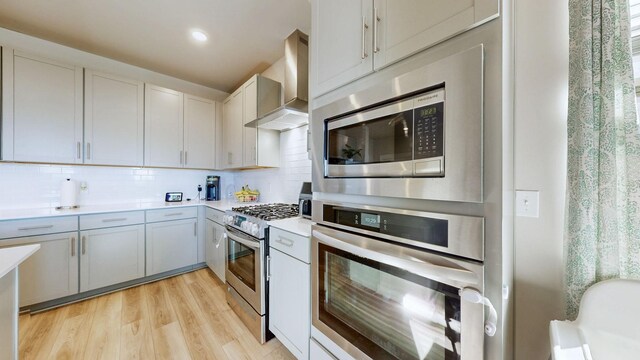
(184, 317)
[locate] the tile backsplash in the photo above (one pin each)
(38, 185)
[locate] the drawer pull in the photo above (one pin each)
(173, 214)
(285, 241)
(84, 245)
(73, 246)
(114, 220)
(35, 227)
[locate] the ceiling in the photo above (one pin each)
(245, 36)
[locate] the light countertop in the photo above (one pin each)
(295, 225)
(11, 257)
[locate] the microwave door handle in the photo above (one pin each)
(245, 242)
(417, 266)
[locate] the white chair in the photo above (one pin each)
(607, 327)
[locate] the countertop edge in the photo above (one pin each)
(11, 257)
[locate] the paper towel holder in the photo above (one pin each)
(72, 200)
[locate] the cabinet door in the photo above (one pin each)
(163, 127)
(113, 120)
(111, 256)
(289, 302)
(199, 132)
(219, 251)
(232, 134)
(43, 123)
(406, 27)
(171, 245)
(52, 271)
(341, 49)
(250, 113)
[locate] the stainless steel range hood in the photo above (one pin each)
(293, 113)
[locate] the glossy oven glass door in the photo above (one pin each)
(244, 267)
(375, 307)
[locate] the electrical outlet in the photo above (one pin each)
(527, 203)
(83, 186)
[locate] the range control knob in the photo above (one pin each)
(255, 229)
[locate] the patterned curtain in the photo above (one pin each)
(602, 233)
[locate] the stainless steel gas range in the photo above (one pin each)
(246, 273)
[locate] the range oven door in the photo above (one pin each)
(245, 267)
(378, 300)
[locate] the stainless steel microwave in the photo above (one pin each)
(410, 132)
(404, 138)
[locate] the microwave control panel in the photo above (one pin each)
(428, 131)
(428, 123)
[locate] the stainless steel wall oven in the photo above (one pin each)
(378, 294)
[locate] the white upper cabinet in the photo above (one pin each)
(232, 131)
(199, 132)
(163, 127)
(246, 147)
(42, 109)
(355, 38)
(113, 120)
(341, 42)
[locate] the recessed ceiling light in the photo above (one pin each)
(199, 35)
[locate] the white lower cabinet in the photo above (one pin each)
(289, 293)
(111, 256)
(171, 245)
(317, 352)
(216, 248)
(50, 273)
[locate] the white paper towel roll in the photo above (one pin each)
(68, 193)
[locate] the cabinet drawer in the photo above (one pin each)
(111, 219)
(171, 214)
(290, 244)
(39, 226)
(215, 215)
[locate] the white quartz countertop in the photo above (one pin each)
(11, 257)
(295, 225)
(15, 214)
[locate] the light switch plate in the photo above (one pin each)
(527, 203)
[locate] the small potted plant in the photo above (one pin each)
(350, 152)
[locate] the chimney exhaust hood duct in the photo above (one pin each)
(293, 113)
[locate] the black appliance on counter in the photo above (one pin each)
(213, 188)
(304, 200)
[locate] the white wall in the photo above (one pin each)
(38, 185)
(542, 44)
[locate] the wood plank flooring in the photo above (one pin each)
(183, 317)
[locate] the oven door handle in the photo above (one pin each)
(417, 266)
(246, 242)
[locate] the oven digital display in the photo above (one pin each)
(370, 220)
(423, 229)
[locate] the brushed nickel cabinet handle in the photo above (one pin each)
(364, 29)
(285, 241)
(88, 151)
(35, 227)
(173, 214)
(114, 220)
(376, 20)
(73, 246)
(84, 245)
(195, 229)
(181, 155)
(78, 149)
(185, 157)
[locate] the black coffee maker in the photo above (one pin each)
(213, 188)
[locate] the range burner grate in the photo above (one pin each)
(269, 212)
